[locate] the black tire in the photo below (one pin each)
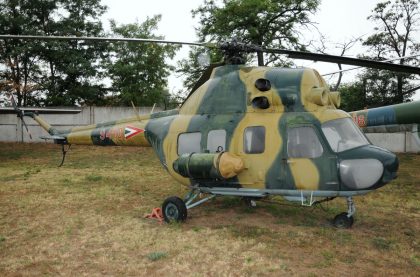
(174, 209)
(342, 221)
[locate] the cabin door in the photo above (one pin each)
(309, 163)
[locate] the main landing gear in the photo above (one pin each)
(345, 220)
(174, 209)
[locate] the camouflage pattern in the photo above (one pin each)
(406, 113)
(296, 97)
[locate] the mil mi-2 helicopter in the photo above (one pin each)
(252, 132)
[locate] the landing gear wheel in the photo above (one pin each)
(250, 202)
(174, 209)
(342, 221)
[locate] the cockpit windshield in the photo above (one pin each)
(342, 134)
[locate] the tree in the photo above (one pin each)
(19, 71)
(353, 96)
(137, 70)
(51, 72)
(73, 66)
(268, 23)
(395, 36)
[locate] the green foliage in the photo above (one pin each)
(269, 23)
(59, 73)
(51, 72)
(138, 71)
(192, 69)
(374, 88)
(352, 97)
(394, 36)
(154, 256)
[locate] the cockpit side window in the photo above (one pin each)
(189, 143)
(342, 134)
(303, 142)
(254, 140)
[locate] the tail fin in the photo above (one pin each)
(45, 125)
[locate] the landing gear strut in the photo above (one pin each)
(174, 209)
(345, 220)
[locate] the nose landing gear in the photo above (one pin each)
(345, 220)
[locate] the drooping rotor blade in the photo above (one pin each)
(357, 67)
(344, 60)
(20, 114)
(108, 39)
(238, 47)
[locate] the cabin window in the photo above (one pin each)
(254, 140)
(302, 142)
(189, 143)
(216, 140)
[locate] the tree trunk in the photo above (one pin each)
(260, 56)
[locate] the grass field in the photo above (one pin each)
(87, 219)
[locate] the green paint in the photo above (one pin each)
(286, 83)
(407, 113)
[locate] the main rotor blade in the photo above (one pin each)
(244, 48)
(344, 60)
(15, 107)
(109, 39)
(357, 67)
(26, 127)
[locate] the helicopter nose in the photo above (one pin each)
(369, 167)
(391, 165)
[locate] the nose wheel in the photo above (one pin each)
(345, 220)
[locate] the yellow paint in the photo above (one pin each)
(114, 132)
(42, 122)
(256, 165)
(326, 114)
(193, 102)
(80, 137)
(305, 173)
(229, 165)
(179, 125)
(248, 76)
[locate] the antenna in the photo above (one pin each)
(136, 112)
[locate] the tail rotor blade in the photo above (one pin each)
(20, 114)
(26, 127)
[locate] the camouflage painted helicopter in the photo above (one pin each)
(252, 132)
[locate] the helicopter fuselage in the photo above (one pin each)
(255, 131)
(282, 131)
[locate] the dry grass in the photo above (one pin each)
(86, 218)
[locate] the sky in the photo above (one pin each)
(339, 21)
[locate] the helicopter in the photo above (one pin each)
(251, 132)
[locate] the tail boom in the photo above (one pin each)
(125, 132)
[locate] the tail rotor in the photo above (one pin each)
(20, 114)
